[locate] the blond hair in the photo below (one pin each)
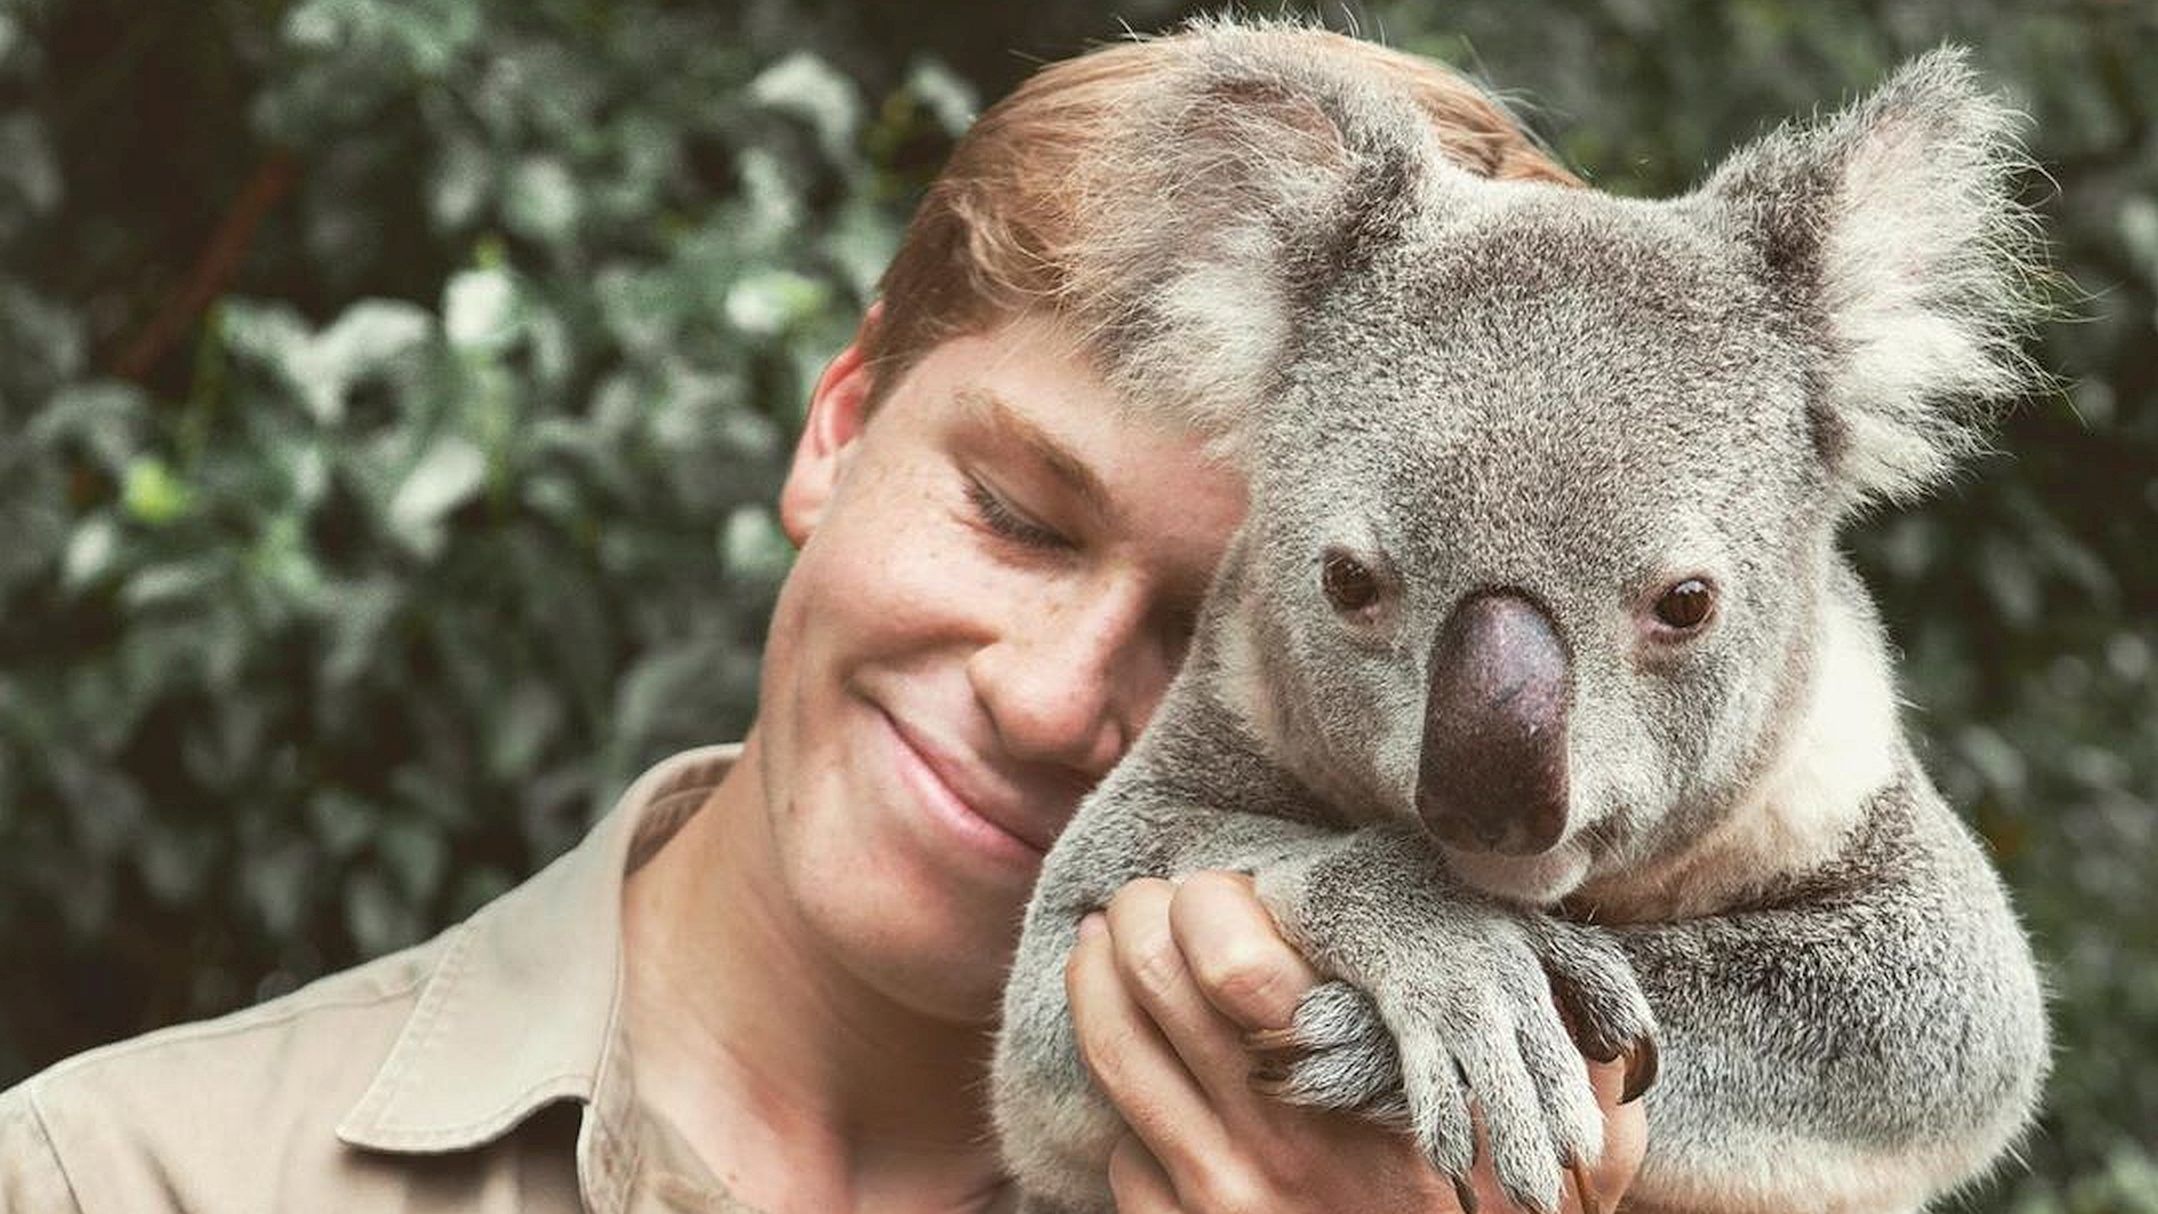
(999, 233)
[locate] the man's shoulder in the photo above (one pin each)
(203, 1104)
(337, 1010)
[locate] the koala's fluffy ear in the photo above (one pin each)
(1893, 229)
(1247, 179)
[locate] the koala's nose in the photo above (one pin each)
(1493, 772)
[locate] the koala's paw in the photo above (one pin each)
(1469, 1008)
(1593, 982)
(1337, 1053)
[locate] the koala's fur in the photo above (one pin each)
(1570, 400)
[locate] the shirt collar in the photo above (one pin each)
(523, 1008)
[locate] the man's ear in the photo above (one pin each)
(838, 409)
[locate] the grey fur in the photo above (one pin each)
(1577, 399)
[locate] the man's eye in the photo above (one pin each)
(1009, 523)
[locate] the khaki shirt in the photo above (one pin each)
(483, 1070)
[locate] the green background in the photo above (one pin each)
(392, 394)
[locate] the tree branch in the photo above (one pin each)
(213, 271)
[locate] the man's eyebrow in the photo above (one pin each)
(991, 410)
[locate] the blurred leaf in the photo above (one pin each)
(372, 335)
(154, 495)
(447, 475)
(376, 917)
(166, 582)
(28, 175)
(767, 303)
(479, 310)
(340, 822)
(89, 552)
(529, 720)
(949, 97)
(807, 87)
(542, 200)
(175, 863)
(754, 546)
(416, 857)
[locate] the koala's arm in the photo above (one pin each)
(1868, 1038)
(1367, 904)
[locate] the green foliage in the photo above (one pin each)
(371, 581)
(450, 515)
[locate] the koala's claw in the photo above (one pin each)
(1594, 985)
(1642, 1066)
(1336, 1053)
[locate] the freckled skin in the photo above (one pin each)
(1509, 782)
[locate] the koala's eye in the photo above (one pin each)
(1687, 605)
(1350, 584)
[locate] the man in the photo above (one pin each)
(768, 979)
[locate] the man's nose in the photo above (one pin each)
(1063, 684)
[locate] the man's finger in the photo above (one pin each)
(1625, 1131)
(1242, 965)
(1154, 972)
(1132, 1062)
(1137, 1181)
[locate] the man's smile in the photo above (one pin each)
(971, 804)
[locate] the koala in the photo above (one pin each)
(1534, 690)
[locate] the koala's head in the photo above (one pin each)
(1545, 482)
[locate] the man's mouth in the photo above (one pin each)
(957, 787)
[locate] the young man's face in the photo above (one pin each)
(997, 578)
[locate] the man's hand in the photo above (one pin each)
(1163, 988)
